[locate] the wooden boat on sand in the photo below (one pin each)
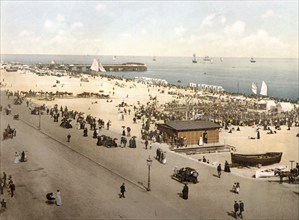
(255, 159)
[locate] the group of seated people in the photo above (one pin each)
(50, 197)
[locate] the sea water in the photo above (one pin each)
(235, 75)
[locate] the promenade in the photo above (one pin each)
(89, 178)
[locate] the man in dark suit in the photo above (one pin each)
(236, 209)
(241, 205)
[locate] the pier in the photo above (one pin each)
(85, 68)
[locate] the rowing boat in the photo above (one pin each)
(255, 159)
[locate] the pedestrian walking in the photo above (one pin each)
(236, 209)
(238, 187)
(219, 170)
(4, 179)
(241, 206)
(1, 187)
(68, 137)
(3, 203)
(122, 191)
(17, 157)
(146, 144)
(12, 188)
(85, 132)
(185, 192)
(226, 167)
(128, 132)
(58, 198)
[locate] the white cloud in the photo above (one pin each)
(48, 24)
(267, 14)
(126, 35)
(100, 7)
(60, 18)
(236, 28)
(76, 26)
(143, 31)
(179, 30)
(208, 21)
(222, 19)
(26, 34)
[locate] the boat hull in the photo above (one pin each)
(255, 159)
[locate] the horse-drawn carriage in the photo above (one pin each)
(8, 132)
(291, 175)
(185, 174)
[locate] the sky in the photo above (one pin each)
(151, 28)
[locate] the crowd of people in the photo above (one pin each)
(7, 189)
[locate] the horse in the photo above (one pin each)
(290, 174)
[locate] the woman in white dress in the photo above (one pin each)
(58, 198)
(17, 157)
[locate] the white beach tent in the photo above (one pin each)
(284, 107)
(271, 105)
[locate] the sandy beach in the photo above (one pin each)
(136, 94)
(124, 164)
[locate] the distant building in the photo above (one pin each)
(194, 132)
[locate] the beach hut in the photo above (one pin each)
(193, 131)
(262, 105)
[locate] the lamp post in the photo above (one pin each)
(149, 163)
(39, 118)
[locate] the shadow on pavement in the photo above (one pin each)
(50, 202)
(141, 183)
(231, 213)
(180, 195)
(297, 193)
(214, 175)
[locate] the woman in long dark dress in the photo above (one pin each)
(185, 191)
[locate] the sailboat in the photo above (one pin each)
(221, 59)
(264, 89)
(114, 58)
(97, 66)
(194, 59)
(254, 88)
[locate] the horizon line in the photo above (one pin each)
(145, 55)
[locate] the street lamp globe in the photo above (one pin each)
(149, 161)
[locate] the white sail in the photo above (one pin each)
(53, 62)
(101, 68)
(95, 65)
(114, 58)
(254, 88)
(264, 89)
